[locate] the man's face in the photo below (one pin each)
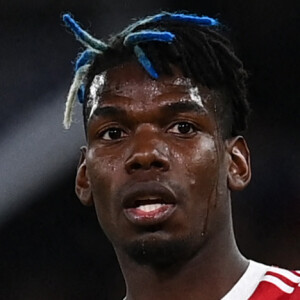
(155, 163)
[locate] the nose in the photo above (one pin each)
(148, 152)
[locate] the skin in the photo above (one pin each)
(154, 134)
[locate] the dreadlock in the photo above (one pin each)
(197, 45)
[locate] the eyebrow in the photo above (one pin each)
(168, 108)
(108, 112)
(184, 106)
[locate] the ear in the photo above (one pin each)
(83, 186)
(239, 173)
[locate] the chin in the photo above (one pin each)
(161, 253)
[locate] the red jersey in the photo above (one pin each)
(261, 282)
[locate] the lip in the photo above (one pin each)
(142, 194)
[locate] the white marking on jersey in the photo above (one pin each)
(287, 274)
(279, 283)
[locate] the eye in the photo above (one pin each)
(111, 134)
(182, 128)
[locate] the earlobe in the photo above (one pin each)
(83, 187)
(239, 172)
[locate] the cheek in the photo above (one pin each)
(102, 165)
(205, 152)
(200, 161)
(104, 172)
(104, 177)
(208, 174)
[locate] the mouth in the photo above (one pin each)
(148, 203)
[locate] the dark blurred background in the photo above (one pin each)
(51, 247)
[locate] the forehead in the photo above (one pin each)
(129, 85)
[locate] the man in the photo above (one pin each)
(164, 104)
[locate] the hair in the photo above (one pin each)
(198, 46)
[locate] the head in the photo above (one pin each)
(164, 104)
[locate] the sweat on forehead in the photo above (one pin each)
(126, 79)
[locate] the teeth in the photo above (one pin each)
(149, 207)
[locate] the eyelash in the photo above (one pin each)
(175, 129)
(105, 134)
(192, 128)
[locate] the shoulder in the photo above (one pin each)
(278, 283)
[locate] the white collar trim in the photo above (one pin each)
(247, 284)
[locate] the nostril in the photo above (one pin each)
(157, 164)
(136, 166)
(145, 161)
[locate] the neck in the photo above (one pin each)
(210, 274)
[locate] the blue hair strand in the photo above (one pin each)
(145, 62)
(148, 36)
(85, 58)
(84, 37)
(80, 94)
(185, 18)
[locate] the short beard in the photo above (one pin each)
(160, 254)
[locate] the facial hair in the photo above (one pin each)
(163, 253)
